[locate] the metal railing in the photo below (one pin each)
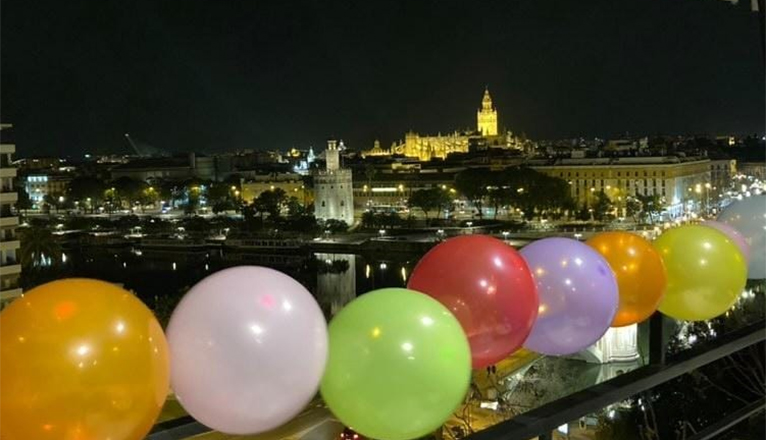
(542, 421)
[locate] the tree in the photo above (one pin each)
(192, 203)
(87, 191)
(52, 200)
(602, 206)
(38, 247)
(149, 196)
(270, 202)
(169, 191)
(223, 196)
(472, 184)
(128, 190)
(583, 214)
(335, 226)
(295, 207)
(24, 202)
(499, 197)
(633, 208)
(532, 192)
(651, 205)
(429, 200)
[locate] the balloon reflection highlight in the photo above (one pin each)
(399, 365)
(80, 359)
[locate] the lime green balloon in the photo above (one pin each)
(706, 272)
(399, 365)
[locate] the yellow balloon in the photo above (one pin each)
(706, 272)
(79, 360)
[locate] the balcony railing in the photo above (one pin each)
(542, 421)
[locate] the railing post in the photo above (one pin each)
(657, 339)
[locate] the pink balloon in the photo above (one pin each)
(733, 234)
(248, 347)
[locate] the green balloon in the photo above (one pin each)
(706, 272)
(399, 365)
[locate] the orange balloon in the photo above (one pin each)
(80, 360)
(640, 273)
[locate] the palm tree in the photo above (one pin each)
(38, 247)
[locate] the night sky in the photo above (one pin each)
(222, 74)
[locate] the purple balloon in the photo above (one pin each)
(578, 295)
(733, 234)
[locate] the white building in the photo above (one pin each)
(333, 189)
(10, 265)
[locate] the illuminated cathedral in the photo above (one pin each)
(426, 148)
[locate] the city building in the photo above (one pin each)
(722, 171)
(486, 116)
(39, 163)
(333, 188)
(389, 190)
(214, 168)
(425, 148)
(677, 181)
(39, 185)
(291, 183)
(10, 264)
(753, 169)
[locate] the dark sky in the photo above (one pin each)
(224, 74)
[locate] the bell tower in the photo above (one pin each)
(486, 117)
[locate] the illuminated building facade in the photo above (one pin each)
(680, 183)
(39, 185)
(425, 148)
(486, 116)
(291, 183)
(10, 264)
(333, 188)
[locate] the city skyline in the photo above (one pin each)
(216, 77)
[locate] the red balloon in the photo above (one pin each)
(489, 288)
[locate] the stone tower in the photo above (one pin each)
(333, 190)
(486, 117)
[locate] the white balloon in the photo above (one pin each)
(748, 216)
(248, 347)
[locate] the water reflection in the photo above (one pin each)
(336, 281)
